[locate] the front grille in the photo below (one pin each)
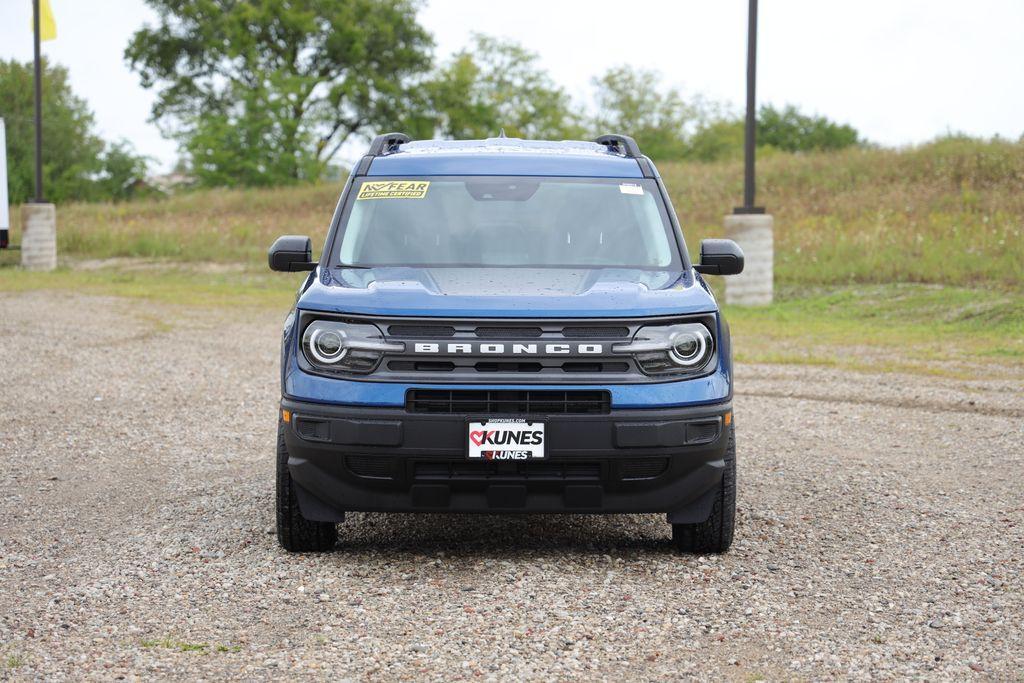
(503, 471)
(595, 367)
(509, 351)
(509, 332)
(521, 402)
(595, 332)
(507, 366)
(425, 331)
(421, 366)
(504, 366)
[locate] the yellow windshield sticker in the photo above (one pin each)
(393, 189)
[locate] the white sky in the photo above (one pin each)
(900, 71)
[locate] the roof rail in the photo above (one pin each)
(383, 145)
(620, 144)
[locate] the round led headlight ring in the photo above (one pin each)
(688, 348)
(327, 346)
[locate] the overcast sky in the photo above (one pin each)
(900, 71)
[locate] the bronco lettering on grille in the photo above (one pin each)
(512, 349)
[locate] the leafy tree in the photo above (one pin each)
(721, 135)
(263, 92)
(122, 172)
(717, 138)
(70, 149)
(792, 131)
(493, 86)
(631, 101)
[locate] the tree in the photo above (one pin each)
(496, 85)
(263, 92)
(719, 137)
(122, 172)
(792, 131)
(631, 101)
(70, 149)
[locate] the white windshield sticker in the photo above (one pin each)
(628, 188)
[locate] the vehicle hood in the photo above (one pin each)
(506, 292)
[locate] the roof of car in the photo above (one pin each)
(505, 156)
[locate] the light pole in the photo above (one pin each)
(39, 102)
(38, 219)
(750, 132)
(749, 225)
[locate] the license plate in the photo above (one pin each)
(506, 440)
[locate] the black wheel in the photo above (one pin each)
(295, 533)
(714, 535)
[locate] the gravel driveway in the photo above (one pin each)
(881, 527)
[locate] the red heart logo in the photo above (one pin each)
(477, 437)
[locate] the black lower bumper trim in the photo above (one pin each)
(345, 458)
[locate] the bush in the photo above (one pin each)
(789, 130)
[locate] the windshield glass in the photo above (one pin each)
(538, 222)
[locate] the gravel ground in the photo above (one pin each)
(881, 526)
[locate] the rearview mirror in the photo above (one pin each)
(720, 257)
(291, 253)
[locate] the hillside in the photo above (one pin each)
(950, 212)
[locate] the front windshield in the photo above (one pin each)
(538, 222)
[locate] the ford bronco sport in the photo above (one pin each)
(505, 326)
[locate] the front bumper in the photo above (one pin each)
(374, 459)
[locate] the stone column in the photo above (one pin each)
(38, 236)
(753, 232)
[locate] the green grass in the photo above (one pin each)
(920, 328)
(13, 661)
(182, 646)
(167, 282)
(210, 225)
(909, 327)
(945, 213)
(949, 212)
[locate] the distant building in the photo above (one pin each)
(168, 183)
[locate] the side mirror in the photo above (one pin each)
(291, 253)
(720, 257)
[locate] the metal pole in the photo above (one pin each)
(39, 105)
(5, 215)
(750, 142)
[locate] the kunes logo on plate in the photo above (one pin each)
(525, 436)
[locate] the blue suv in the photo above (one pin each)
(505, 326)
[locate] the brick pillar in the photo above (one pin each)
(38, 236)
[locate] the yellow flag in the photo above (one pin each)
(47, 26)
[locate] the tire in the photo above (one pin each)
(714, 535)
(295, 533)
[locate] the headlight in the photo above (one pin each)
(683, 349)
(345, 348)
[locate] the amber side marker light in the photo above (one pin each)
(727, 420)
(286, 415)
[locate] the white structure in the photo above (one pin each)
(754, 233)
(38, 222)
(39, 236)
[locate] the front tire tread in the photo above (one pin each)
(714, 535)
(295, 533)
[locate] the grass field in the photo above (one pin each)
(951, 212)
(905, 260)
(947, 213)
